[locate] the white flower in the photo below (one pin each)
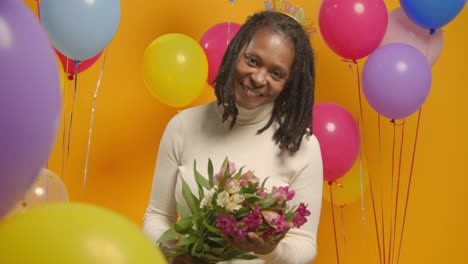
(233, 187)
(208, 197)
(231, 203)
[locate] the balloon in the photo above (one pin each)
(47, 188)
(396, 80)
(353, 28)
(432, 14)
(80, 29)
(74, 233)
(402, 30)
(82, 66)
(214, 43)
(338, 136)
(347, 189)
(175, 69)
(30, 101)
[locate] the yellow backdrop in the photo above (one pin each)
(129, 122)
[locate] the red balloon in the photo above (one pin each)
(84, 65)
(214, 42)
(353, 29)
(338, 136)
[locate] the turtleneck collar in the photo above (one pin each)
(250, 116)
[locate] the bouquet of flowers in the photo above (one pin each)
(230, 203)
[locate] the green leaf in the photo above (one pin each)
(201, 181)
(211, 228)
(239, 173)
(187, 241)
(182, 211)
(218, 240)
(233, 253)
(183, 225)
(263, 183)
(192, 201)
(242, 212)
(267, 203)
(210, 173)
(168, 235)
(247, 256)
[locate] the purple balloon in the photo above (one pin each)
(30, 101)
(396, 80)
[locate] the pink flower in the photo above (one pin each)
(248, 178)
(300, 218)
(228, 226)
(276, 224)
(282, 194)
(219, 176)
(262, 193)
(253, 220)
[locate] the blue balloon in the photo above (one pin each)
(80, 29)
(432, 14)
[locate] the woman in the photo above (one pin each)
(265, 95)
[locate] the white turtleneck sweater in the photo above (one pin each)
(199, 133)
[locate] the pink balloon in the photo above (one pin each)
(401, 29)
(338, 136)
(353, 28)
(84, 65)
(214, 42)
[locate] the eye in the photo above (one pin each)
(277, 75)
(251, 61)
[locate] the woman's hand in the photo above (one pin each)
(253, 243)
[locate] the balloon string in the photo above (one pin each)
(229, 22)
(92, 118)
(409, 184)
(343, 227)
(368, 169)
(72, 108)
(363, 212)
(334, 222)
(65, 105)
(360, 114)
(398, 181)
(46, 186)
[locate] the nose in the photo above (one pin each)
(259, 77)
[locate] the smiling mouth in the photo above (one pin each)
(251, 92)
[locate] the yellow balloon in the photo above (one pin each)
(347, 189)
(74, 233)
(175, 69)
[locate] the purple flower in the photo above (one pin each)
(253, 220)
(300, 218)
(228, 226)
(282, 194)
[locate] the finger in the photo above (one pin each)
(255, 239)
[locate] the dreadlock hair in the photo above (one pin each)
(293, 106)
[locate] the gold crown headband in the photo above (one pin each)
(292, 10)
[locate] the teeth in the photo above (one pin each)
(250, 92)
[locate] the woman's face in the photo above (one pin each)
(262, 69)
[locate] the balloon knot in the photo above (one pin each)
(432, 31)
(70, 77)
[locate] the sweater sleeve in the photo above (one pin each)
(300, 244)
(161, 211)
